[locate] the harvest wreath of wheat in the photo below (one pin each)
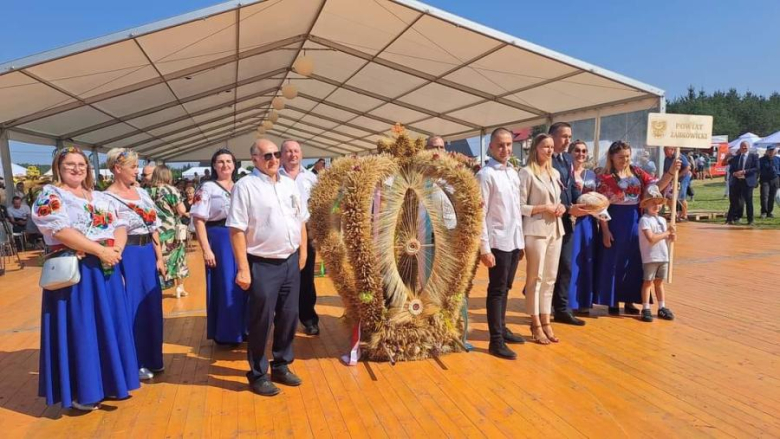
(401, 267)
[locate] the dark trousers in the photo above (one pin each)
(500, 281)
(307, 314)
(740, 199)
(768, 190)
(273, 300)
(560, 302)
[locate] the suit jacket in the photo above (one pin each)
(569, 192)
(535, 190)
(751, 169)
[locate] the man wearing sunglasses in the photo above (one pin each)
(267, 222)
(146, 175)
(305, 180)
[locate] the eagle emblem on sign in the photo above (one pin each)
(659, 127)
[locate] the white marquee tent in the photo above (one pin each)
(180, 88)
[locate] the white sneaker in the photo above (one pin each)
(145, 374)
(84, 408)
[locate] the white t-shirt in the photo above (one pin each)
(22, 212)
(270, 213)
(653, 253)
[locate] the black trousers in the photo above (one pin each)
(560, 302)
(500, 281)
(768, 190)
(308, 297)
(740, 199)
(273, 300)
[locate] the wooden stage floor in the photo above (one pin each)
(715, 371)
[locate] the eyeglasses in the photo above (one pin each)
(581, 151)
(270, 155)
(72, 166)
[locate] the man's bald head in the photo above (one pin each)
(265, 157)
(435, 142)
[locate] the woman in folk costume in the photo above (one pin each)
(619, 273)
(142, 260)
(87, 352)
(226, 302)
(585, 231)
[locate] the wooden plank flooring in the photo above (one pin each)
(714, 372)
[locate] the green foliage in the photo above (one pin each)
(733, 114)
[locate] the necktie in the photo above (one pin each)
(742, 162)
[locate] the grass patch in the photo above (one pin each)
(709, 197)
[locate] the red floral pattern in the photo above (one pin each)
(100, 218)
(624, 191)
(148, 215)
(47, 205)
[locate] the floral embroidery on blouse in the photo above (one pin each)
(148, 215)
(101, 219)
(624, 191)
(47, 204)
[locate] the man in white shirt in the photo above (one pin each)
(18, 214)
(502, 244)
(267, 222)
(305, 180)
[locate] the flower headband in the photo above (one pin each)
(70, 150)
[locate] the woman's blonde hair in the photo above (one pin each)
(120, 157)
(533, 156)
(89, 181)
(161, 175)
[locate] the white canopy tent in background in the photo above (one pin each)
(16, 170)
(179, 89)
(200, 171)
(750, 138)
(772, 139)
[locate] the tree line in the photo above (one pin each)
(733, 114)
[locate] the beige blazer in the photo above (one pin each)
(533, 192)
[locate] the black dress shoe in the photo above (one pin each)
(500, 350)
(284, 376)
(511, 338)
(312, 330)
(568, 318)
(613, 311)
(264, 387)
(629, 308)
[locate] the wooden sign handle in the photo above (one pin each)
(673, 220)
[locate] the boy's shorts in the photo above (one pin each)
(655, 270)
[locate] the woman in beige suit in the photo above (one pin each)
(540, 204)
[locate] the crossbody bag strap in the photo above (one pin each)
(149, 229)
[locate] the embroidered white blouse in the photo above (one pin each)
(143, 218)
(211, 202)
(56, 209)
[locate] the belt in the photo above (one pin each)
(60, 247)
(139, 239)
(273, 261)
(217, 223)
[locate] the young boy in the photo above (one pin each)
(653, 237)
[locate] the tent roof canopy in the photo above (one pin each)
(180, 88)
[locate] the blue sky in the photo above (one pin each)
(710, 44)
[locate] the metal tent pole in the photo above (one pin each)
(8, 173)
(482, 148)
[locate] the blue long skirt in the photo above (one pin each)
(144, 297)
(619, 274)
(87, 351)
(583, 263)
(226, 302)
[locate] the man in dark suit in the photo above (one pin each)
(768, 171)
(561, 134)
(744, 178)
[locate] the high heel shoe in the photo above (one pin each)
(552, 337)
(539, 338)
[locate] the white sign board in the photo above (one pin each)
(679, 130)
